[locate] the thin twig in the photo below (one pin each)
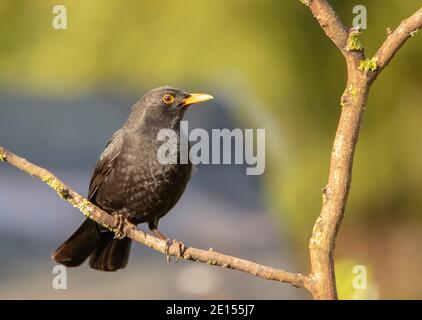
(407, 28)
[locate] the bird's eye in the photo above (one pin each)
(168, 98)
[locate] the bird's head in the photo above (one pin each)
(165, 106)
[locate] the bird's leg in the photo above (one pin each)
(122, 219)
(153, 226)
(118, 234)
(157, 232)
(181, 249)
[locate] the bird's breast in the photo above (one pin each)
(141, 184)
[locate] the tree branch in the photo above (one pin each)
(396, 39)
(360, 75)
(330, 23)
(108, 221)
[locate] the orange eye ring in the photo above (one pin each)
(168, 98)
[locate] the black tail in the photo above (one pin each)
(107, 253)
(110, 254)
(75, 250)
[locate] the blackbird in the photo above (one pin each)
(130, 182)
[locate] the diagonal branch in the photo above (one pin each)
(397, 38)
(330, 23)
(108, 221)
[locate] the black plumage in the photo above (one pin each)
(129, 181)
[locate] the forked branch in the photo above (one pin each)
(361, 73)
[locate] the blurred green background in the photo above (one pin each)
(272, 61)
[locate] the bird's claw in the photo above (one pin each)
(181, 246)
(181, 249)
(120, 231)
(167, 249)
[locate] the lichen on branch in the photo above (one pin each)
(353, 41)
(368, 64)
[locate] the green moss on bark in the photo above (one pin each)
(368, 65)
(353, 41)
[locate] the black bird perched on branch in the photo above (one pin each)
(129, 181)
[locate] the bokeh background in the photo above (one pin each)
(269, 65)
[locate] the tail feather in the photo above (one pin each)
(110, 254)
(75, 250)
(105, 252)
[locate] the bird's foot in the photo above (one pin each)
(167, 249)
(181, 247)
(120, 231)
(169, 243)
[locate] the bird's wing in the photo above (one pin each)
(105, 163)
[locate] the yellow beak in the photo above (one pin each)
(196, 98)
